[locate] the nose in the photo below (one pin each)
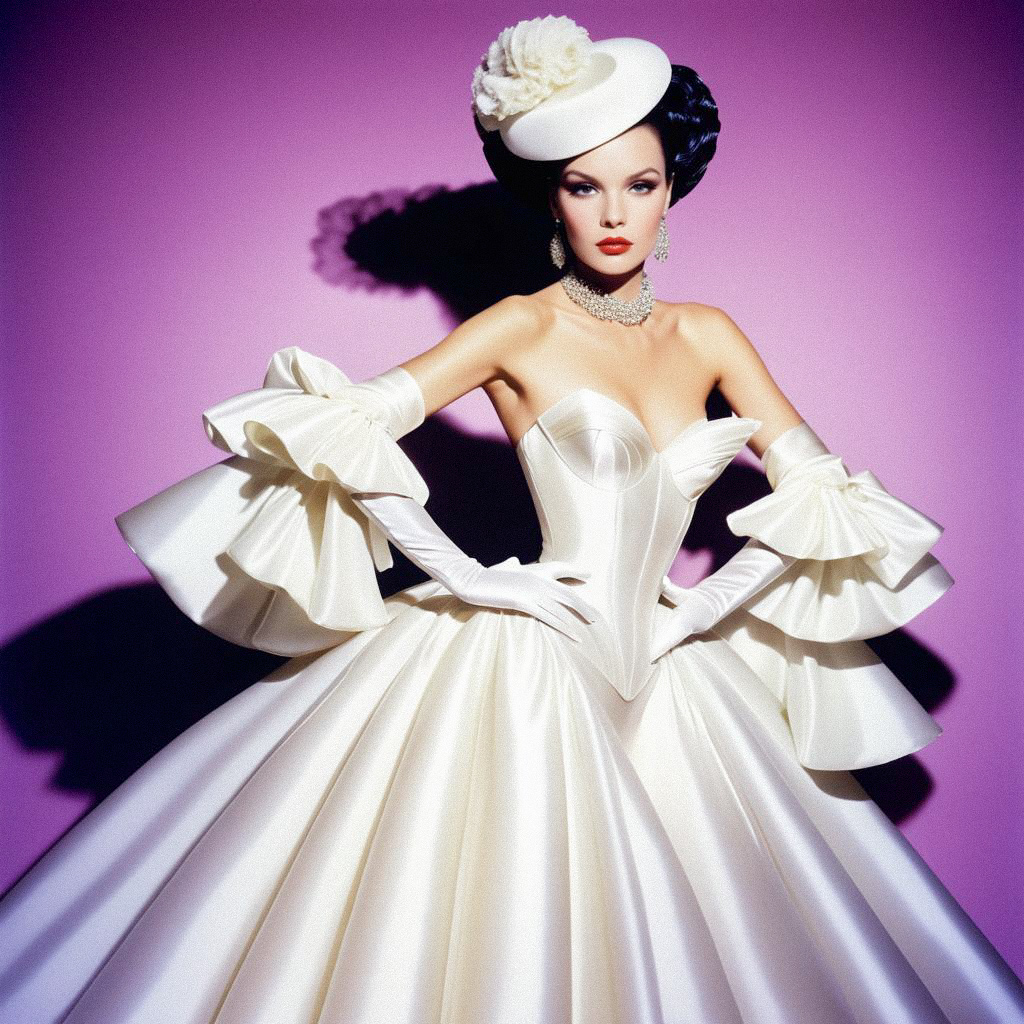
(612, 215)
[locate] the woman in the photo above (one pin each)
(561, 791)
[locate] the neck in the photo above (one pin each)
(625, 286)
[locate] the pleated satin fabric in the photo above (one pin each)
(456, 814)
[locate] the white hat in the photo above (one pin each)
(552, 92)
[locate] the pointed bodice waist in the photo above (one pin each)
(607, 500)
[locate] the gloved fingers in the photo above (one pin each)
(660, 650)
(674, 631)
(563, 570)
(553, 608)
(660, 646)
(563, 592)
(578, 603)
(550, 613)
(533, 590)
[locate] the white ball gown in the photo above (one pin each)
(435, 812)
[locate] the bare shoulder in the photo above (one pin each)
(475, 352)
(738, 370)
(504, 332)
(497, 327)
(528, 314)
(714, 336)
(532, 320)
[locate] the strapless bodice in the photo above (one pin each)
(608, 499)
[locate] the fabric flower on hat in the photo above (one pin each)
(526, 63)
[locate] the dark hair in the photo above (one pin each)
(686, 119)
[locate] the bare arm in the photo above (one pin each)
(745, 382)
(749, 388)
(472, 354)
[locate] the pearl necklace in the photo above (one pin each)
(608, 307)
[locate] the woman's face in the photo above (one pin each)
(616, 190)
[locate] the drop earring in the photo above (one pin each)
(556, 248)
(661, 243)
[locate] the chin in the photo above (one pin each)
(611, 264)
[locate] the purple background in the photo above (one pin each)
(861, 221)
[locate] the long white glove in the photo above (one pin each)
(531, 588)
(700, 607)
(395, 399)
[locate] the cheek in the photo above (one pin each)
(575, 225)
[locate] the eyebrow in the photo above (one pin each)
(646, 170)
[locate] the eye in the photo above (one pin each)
(576, 188)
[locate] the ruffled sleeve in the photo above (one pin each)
(862, 568)
(863, 564)
(267, 548)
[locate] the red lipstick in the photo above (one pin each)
(613, 246)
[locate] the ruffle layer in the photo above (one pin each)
(845, 709)
(308, 417)
(863, 567)
(268, 549)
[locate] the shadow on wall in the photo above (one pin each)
(470, 246)
(111, 681)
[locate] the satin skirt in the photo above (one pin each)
(455, 818)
